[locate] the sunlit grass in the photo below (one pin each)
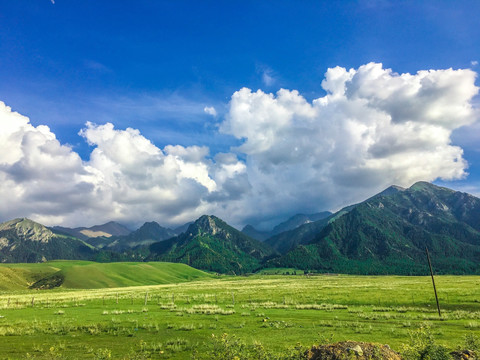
(172, 320)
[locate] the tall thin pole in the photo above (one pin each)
(433, 282)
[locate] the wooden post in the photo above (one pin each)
(117, 297)
(173, 298)
(146, 298)
(33, 301)
(433, 281)
(8, 304)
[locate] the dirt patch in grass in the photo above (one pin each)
(49, 282)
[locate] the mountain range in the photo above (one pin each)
(211, 244)
(147, 234)
(109, 229)
(388, 234)
(385, 234)
(23, 240)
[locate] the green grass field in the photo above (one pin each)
(179, 317)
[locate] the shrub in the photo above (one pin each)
(472, 342)
(103, 354)
(231, 348)
(423, 346)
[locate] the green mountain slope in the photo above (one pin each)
(23, 240)
(91, 275)
(303, 234)
(211, 244)
(388, 233)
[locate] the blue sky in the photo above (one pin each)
(155, 66)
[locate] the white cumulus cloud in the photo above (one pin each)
(39, 177)
(374, 128)
(127, 177)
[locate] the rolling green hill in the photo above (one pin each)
(21, 276)
(91, 275)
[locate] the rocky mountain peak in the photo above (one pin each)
(206, 224)
(28, 230)
(429, 187)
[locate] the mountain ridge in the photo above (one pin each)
(24, 240)
(211, 244)
(108, 229)
(147, 234)
(391, 231)
(385, 234)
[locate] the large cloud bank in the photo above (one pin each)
(374, 128)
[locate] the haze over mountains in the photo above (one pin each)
(292, 223)
(147, 234)
(386, 233)
(109, 229)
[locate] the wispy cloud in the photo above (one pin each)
(267, 78)
(97, 66)
(267, 75)
(210, 110)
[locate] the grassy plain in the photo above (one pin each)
(174, 320)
